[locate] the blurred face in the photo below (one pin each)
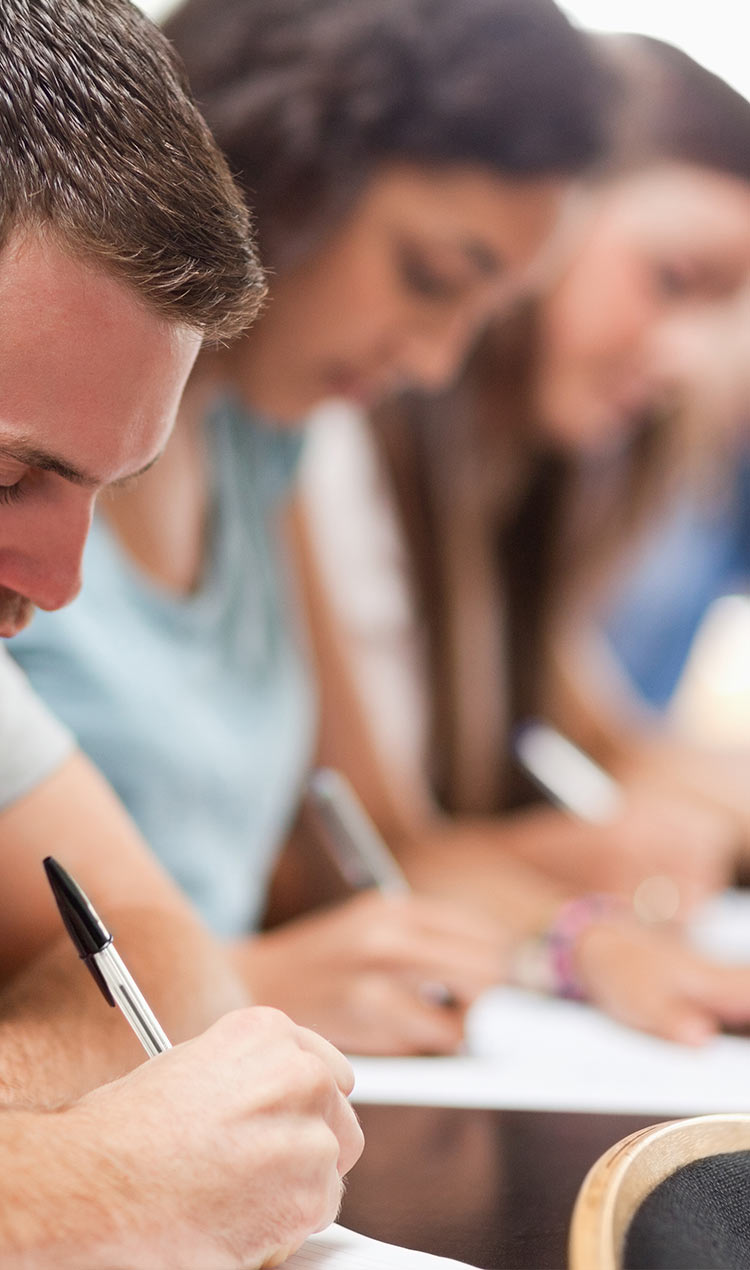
(90, 381)
(662, 255)
(398, 291)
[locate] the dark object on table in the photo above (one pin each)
(670, 1197)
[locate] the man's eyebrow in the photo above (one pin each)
(122, 481)
(44, 461)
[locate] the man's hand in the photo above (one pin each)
(225, 1152)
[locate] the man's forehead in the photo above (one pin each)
(90, 378)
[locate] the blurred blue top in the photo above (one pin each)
(199, 710)
(698, 554)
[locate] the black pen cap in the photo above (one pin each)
(82, 922)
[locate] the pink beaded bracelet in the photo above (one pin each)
(561, 937)
(546, 963)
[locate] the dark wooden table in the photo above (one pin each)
(494, 1188)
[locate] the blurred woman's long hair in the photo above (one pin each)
(510, 537)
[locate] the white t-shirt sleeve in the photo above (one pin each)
(32, 742)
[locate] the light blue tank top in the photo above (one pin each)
(199, 711)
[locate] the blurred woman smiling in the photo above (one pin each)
(489, 520)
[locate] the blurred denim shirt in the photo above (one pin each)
(698, 553)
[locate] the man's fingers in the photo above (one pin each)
(344, 1123)
(341, 1117)
(340, 1066)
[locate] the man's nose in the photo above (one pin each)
(55, 565)
(58, 589)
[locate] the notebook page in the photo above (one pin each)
(337, 1248)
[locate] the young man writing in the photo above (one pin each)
(122, 245)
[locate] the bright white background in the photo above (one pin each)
(715, 32)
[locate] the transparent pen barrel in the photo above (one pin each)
(132, 1002)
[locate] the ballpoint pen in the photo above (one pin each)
(94, 945)
(359, 851)
(352, 839)
(580, 787)
(568, 776)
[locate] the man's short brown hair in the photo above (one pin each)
(102, 146)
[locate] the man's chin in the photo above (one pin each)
(15, 613)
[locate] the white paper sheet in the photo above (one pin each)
(722, 928)
(529, 1052)
(337, 1248)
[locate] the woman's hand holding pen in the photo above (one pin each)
(230, 1148)
(654, 980)
(365, 973)
(654, 835)
(684, 840)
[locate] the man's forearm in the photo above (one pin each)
(58, 1037)
(53, 1209)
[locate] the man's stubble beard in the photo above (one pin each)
(15, 612)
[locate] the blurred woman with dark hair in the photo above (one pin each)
(404, 159)
(567, 428)
(511, 497)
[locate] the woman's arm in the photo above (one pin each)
(515, 870)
